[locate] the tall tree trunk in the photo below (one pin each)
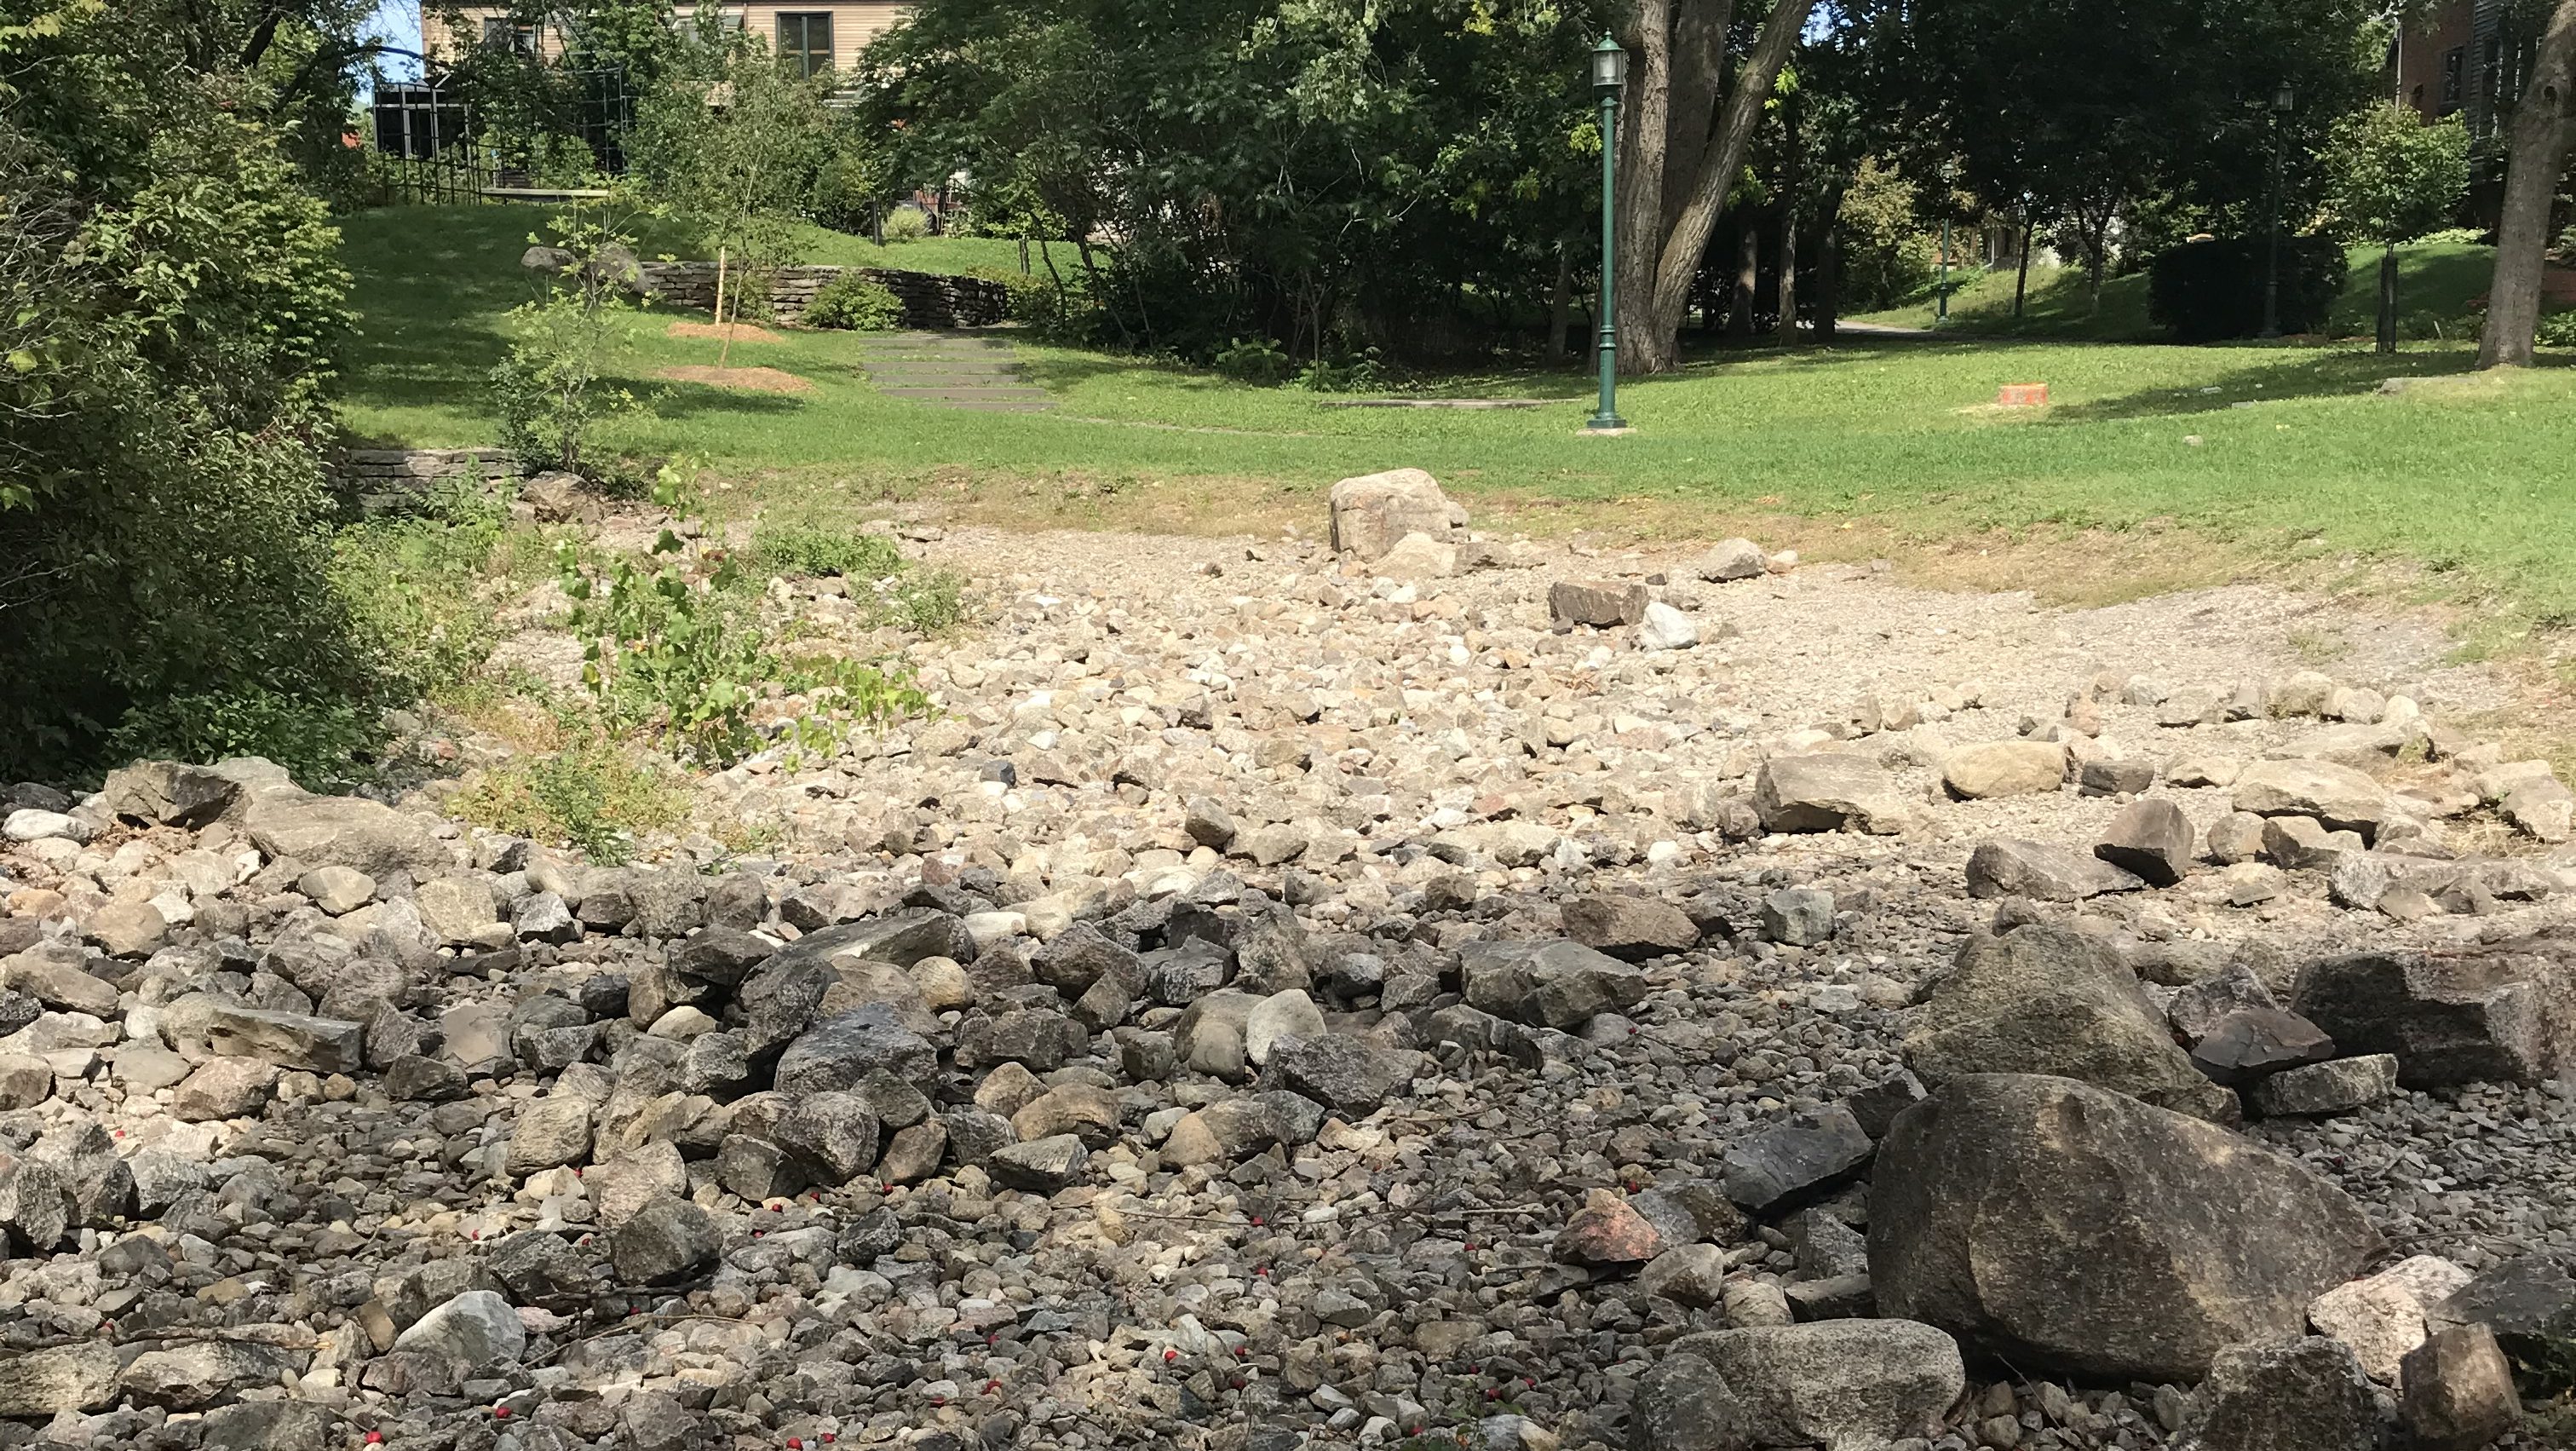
(1558, 304)
(2537, 154)
(1786, 328)
(2021, 282)
(1680, 155)
(1829, 265)
(2388, 299)
(1748, 272)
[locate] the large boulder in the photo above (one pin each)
(2016, 867)
(2065, 1227)
(343, 831)
(1373, 513)
(1830, 791)
(1629, 927)
(2488, 1015)
(2339, 796)
(2049, 999)
(1560, 985)
(169, 793)
(1835, 1382)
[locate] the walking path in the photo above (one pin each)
(974, 370)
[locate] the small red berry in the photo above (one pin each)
(1170, 1355)
(501, 1413)
(1256, 1219)
(1241, 1351)
(830, 1436)
(795, 1443)
(992, 1386)
(375, 1438)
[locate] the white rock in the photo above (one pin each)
(34, 825)
(1666, 628)
(2382, 1317)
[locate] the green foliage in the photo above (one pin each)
(1254, 360)
(733, 144)
(2204, 291)
(2558, 329)
(319, 741)
(809, 551)
(906, 224)
(677, 652)
(854, 303)
(1361, 372)
(1888, 252)
(1396, 159)
(549, 391)
(2394, 176)
(419, 587)
(591, 794)
(173, 312)
(926, 602)
(1052, 306)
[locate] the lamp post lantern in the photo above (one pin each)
(2282, 101)
(1609, 78)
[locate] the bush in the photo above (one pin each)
(1254, 360)
(551, 389)
(589, 795)
(2558, 330)
(855, 302)
(320, 742)
(2206, 291)
(906, 224)
(811, 550)
(1064, 313)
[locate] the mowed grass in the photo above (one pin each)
(2170, 461)
(2436, 284)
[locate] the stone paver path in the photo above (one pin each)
(969, 369)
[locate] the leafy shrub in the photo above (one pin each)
(1360, 373)
(320, 742)
(926, 601)
(811, 550)
(855, 302)
(1254, 360)
(171, 305)
(2558, 330)
(1064, 312)
(906, 224)
(417, 587)
(550, 390)
(2205, 291)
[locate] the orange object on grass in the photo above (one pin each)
(2022, 395)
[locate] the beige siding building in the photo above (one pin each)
(814, 37)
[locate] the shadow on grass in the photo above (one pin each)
(2273, 375)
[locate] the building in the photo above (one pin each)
(2467, 58)
(814, 38)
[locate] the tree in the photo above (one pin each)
(1682, 144)
(2536, 155)
(2394, 178)
(733, 145)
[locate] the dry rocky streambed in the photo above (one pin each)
(1395, 990)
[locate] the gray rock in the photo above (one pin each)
(2004, 768)
(1841, 1382)
(534, 1264)
(475, 1333)
(2198, 1006)
(667, 1239)
(169, 793)
(200, 1026)
(551, 1132)
(2012, 867)
(1628, 927)
(2251, 1042)
(2530, 1303)
(2307, 1394)
(64, 1378)
(1830, 791)
(1042, 1167)
(1798, 916)
(1730, 559)
(2340, 1086)
(1373, 513)
(2340, 797)
(2052, 1000)
(343, 831)
(843, 1052)
(720, 955)
(1794, 1161)
(1687, 1274)
(1352, 1077)
(2491, 1014)
(1597, 603)
(2459, 1391)
(35, 1208)
(269, 1426)
(192, 1377)
(830, 1137)
(2063, 1226)
(1560, 985)
(2150, 838)
(223, 1088)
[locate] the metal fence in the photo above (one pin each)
(431, 145)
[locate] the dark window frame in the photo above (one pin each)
(807, 55)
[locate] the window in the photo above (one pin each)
(805, 41)
(2454, 90)
(502, 33)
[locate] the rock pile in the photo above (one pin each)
(1395, 1000)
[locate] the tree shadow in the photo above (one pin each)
(2273, 375)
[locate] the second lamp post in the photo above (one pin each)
(1609, 78)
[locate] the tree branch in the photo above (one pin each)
(1698, 216)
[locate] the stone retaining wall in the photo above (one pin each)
(385, 480)
(934, 300)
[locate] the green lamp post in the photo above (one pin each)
(1609, 78)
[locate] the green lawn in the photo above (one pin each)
(2277, 448)
(2436, 282)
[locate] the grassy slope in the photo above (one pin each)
(2435, 283)
(2462, 475)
